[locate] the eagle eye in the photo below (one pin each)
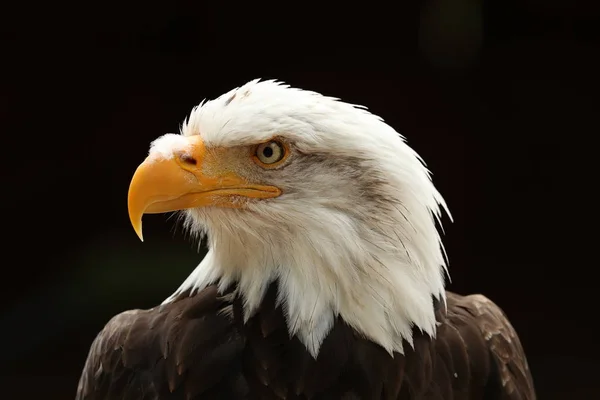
(270, 153)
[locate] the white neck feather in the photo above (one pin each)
(381, 279)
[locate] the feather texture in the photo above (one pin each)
(199, 347)
(188, 349)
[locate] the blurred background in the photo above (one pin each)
(499, 97)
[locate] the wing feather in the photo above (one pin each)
(182, 350)
(495, 353)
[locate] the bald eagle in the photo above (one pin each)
(325, 274)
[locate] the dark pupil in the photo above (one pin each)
(267, 152)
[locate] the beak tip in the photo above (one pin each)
(136, 223)
(138, 232)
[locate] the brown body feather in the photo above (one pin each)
(198, 348)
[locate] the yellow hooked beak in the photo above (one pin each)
(180, 182)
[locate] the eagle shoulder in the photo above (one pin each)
(184, 349)
(478, 331)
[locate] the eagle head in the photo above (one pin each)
(321, 196)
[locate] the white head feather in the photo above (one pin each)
(353, 233)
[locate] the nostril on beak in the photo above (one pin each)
(188, 160)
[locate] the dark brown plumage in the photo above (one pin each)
(198, 348)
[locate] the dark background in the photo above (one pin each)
(498, 97)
